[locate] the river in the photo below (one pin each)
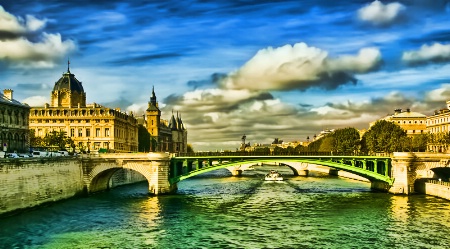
(215, 210)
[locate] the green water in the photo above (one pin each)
(216, 210)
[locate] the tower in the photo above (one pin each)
(153, 121)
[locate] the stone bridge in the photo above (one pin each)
(395, 174)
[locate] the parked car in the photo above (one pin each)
(13, 155)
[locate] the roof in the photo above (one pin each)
(408, 115)
(69, 82)
(5, 100)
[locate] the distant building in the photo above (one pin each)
(438, 123)
(413, 123)
(92, 127)
(14, 130)
(165, 136)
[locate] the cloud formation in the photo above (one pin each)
(300, 67)
(428, 53)
(380, 14)
(17, 49)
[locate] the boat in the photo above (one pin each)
(273, 175)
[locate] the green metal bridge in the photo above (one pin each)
(373, 168)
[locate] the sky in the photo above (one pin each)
(266, 69)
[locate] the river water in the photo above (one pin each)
(215, 210)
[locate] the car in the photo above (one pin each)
(13, 155)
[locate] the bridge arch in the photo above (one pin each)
(99, 177)
(349, 164)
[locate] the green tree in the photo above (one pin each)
(327, 144)
(190, 149)
(347, 140)
(384, 136)
(56, 138)
(419, 142)
(34, 140)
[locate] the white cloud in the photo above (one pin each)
(441, 94)
(35, 101)
(40, 54)
(10, 23)
(378, 13)
(428, 53)
(18, 50)
(300, 67)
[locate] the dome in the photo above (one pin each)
(69, 82)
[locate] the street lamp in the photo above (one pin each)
(89, 146)
(107, 148)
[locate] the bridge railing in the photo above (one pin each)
(242, 153)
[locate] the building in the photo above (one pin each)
(413, 123)
(14, 131)
(92, 127)
(436, 124)
(165, 136)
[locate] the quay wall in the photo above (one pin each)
(434, 188)
(31, 182)
(26, 183)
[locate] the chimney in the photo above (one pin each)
(8, 94)
(397, 111)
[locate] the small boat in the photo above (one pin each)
(273, 175)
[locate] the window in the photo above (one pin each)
(106, 132)
(80, 132)
(88, 132)
(96, 145)
(97, 132)
(72, 132)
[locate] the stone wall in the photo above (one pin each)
(30, 182)
(434, 188)
(25, 183)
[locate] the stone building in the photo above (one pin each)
(439, 123)
(92, 127)
(14, 131)
(165, 135)
(413, 123)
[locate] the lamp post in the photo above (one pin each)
(107, 146)
(89, 146)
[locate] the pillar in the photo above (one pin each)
(159, 174)
(403, 172)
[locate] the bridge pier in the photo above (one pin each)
(404, 173)
(236, 172)
(299, 168)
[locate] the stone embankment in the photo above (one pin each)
(30, 182)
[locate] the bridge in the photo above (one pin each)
(372, 168)
(164, 171)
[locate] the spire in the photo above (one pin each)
(68, 65)
(153, 98)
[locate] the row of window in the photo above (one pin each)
(37, 121)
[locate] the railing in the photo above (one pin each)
(439, 182)
(241, 153)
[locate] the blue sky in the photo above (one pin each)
(267, 69)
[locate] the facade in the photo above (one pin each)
(413, 123)
(439, 123)
(92, 127)
(165, 136)
(14, 131)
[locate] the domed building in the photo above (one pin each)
(413, 123)
(92, 127)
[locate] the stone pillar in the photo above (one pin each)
(333, 172)
(404, 173)
(299, 168)
(159, 177)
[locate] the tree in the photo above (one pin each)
(34, 140)
(56, 138)
(347, 140)
(384, 136)
(190, 149)
(419, 142)
(328, 144)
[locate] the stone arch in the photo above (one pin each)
(101, 174)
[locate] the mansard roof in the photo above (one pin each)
(5, 100)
